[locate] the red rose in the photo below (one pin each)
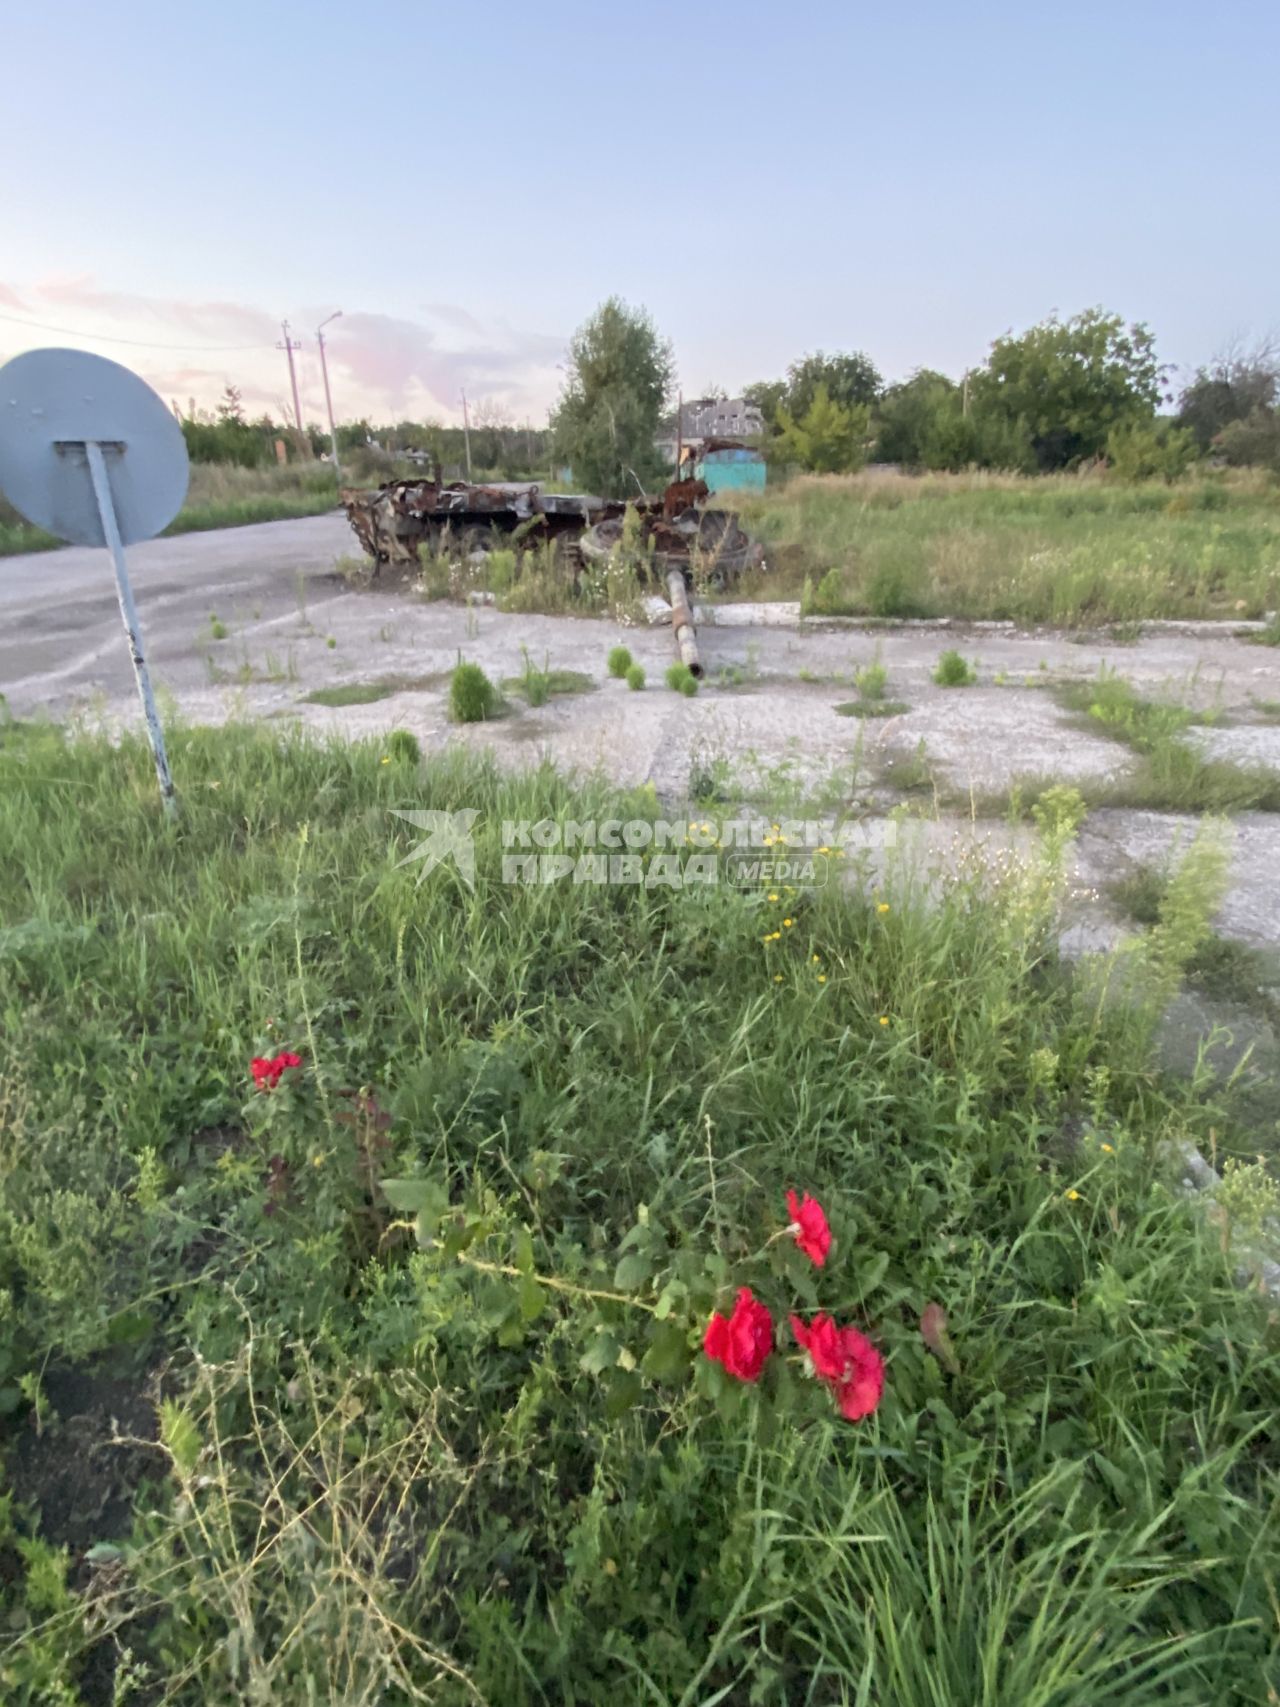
(809, 1221)
(264, 1072)
(847, 1361)
(744, 1340)
(267, 1071)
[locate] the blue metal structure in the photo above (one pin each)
(735, 469)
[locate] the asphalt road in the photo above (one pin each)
(61, 637)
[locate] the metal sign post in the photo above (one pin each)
(128, 611)
(91, 454)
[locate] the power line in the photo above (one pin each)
(137, 343)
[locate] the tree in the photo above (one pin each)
(354, 435)
(230, 408)
(1235, 384)
(620, 377)
(769, 396)
(828, 438)
(850, 380)
(1071, 382)
(909, 413)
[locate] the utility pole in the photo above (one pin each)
(964, 395)
(466, 432)
(328, 400)
(289, 346)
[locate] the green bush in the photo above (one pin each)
(953, 671)
(403, 747)
(1254, 442)
(472, 696)
(681, 679)
(871, 680)
(635, 677)
(620, 661)
(1141, 450)
(828, 598)
(893, 580)
(534, 683)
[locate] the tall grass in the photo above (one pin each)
(220, 495)
(1066, 549)
(382, 1470)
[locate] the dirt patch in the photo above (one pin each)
(80, 1470)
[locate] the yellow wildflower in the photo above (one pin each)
(1073, 1196)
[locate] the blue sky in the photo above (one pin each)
(467, 183)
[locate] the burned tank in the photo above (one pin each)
(672, 542)
(393, 522)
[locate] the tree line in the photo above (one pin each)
(500, 450)
(1065, 393)
(1062, 394)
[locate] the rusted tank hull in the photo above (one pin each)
(673, 540)
(392, 522)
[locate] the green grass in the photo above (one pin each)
(1070, 550)
(871, 680)
(1222, 968)
(536, 686)
(491, 1464)
(872, 708)
(218, 497)
(367, 693)
(1171, 774)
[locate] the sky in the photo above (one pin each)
(467, 183)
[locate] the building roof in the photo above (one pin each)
(720, 418)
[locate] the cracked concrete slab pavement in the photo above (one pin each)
(773, 728)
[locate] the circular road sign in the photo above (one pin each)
(51, 403)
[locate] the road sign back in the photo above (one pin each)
(52, 402)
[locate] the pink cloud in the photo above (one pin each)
(382, 367)
(212, 320)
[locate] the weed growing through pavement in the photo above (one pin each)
(472, 696)
(1173, 772)
(954, 671)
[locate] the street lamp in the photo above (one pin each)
(328, 400)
